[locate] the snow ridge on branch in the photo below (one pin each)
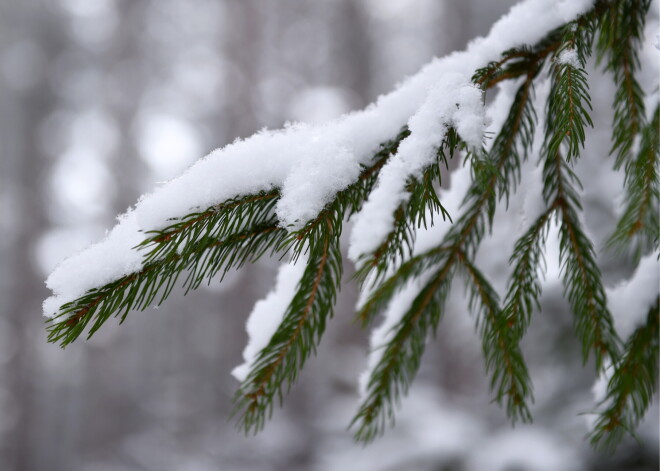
(310, 164)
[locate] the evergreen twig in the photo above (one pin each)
(632, 386)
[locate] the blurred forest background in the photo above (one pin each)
(102, 99)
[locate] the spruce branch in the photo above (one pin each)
(568, 113)
(278, 364)
(216, 222)
(584, 289)
(566, 118)
(207, 243)
(496, 170)
(403, 351)
(517, 62)
(621, 28)
(395, 370)
(580, 273)
(416, 212)
(632, 386)
(569, 103)
(203, 244)
(522, 299)
(511, 147)
(639, 226)
(155, 281)
(494, 72)
(524, 288)
(500, 343)
(385, 291)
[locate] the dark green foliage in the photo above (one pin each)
(418, 211)
(620, 30)
(568, 114)
(415, 286)
(639, 226)
(277, 366)
(632, 385)
(500, 335)
(582, 280)
(201, 245)
(395, 369)
(569, 103)
(522, 299)
(402, 354)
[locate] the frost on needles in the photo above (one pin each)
(288, 193)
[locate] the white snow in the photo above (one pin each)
(569, 57)
(528, 449)
(469, 118)
(454, 100)
(96, 265)
(300, 153)
(314, 181)
(417, 442)
(631, 300)
(599, 389)
(267, 315)
(569, 9)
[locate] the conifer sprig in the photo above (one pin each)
(639, 225)
(569, 103)
(567, 116)
(513, 143)
(581, 276)
(405, 346)
(633, 384)
(620, 32)
(395, 370)
(202, 260)
(417, 211)
(202, 245)
(524, 290)
(278, 364)
(500, 342)
(522, 299)
(517, 62)
(215, 223)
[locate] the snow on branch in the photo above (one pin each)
(268, 314)
(309, 164)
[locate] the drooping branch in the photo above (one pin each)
(633, 384)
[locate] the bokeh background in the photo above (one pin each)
(100, 100)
